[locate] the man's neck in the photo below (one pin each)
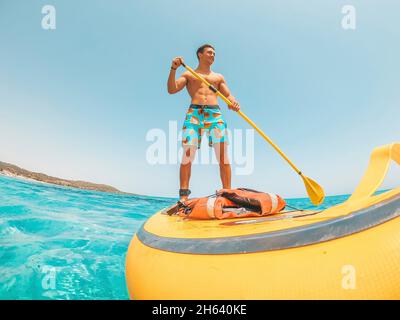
(204, 68)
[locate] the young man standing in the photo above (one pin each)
(203, 116)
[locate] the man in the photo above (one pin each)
(203, 116)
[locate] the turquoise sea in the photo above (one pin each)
(64, 243)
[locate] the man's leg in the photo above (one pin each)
(221, 152)
(189, 153)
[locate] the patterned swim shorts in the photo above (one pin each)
(200, 119)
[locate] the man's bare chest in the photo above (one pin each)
(214, 80)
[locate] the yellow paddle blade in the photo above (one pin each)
(314, 190)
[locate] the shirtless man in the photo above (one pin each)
(203, 115)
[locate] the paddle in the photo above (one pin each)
(314, 190)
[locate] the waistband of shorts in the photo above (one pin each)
(204, 106)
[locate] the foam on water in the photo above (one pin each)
(63, 243)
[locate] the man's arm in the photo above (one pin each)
(173, 85)
(223, 88)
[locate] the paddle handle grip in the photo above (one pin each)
(249, 121)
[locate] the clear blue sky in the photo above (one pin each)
(77, 102)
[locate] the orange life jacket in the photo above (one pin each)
(233, 203)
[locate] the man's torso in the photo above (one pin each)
(199, 92)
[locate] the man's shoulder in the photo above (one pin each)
(187, 75)
(217, 75)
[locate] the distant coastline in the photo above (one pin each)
(11, 170)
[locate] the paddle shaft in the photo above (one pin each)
(243, 116)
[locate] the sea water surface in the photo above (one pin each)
(65, 243)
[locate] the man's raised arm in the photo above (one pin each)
(175, 86)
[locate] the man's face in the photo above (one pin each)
(208, 55)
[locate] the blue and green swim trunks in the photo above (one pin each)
(200, 119)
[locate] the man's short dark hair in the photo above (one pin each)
(201, 49)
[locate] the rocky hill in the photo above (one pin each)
(14, 171)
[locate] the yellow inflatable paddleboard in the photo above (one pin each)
(349, 251)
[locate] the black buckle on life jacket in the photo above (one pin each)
(186, 209)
